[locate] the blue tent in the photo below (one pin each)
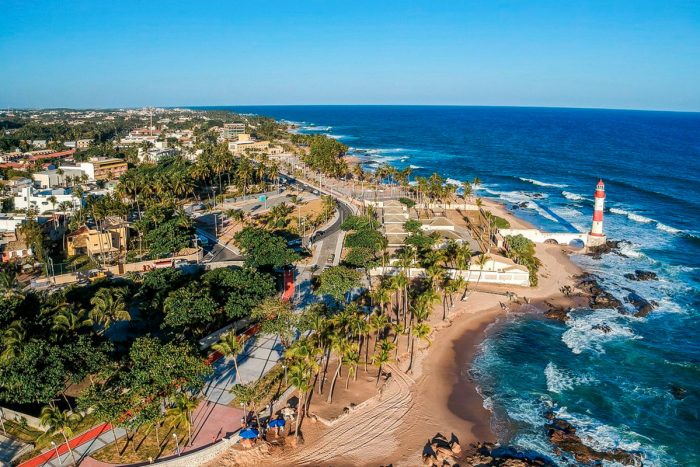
(249, 433)
(277, 423)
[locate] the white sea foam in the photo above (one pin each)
(645, 220)
(584, 333)
(667, 228)
(414, 166)
(539, 183)
(316, 128)
(452, 181)
(572, 196)
(559, 380)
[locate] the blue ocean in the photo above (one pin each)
(636, 387)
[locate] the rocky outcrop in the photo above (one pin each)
(678, 392)
(489, 454)
(563, 435)
(597, 296)
(608, 247)
(640, 275)
(643, 306)
(602, 327)
(556, 312)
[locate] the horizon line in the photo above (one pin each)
(8, 108)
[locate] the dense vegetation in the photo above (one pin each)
(522, 251)
(325, 154)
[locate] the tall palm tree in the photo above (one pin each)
(58, 421)
(230, 345)
(341, 346)
(181, 412)
(300, 378)
(352, 359)
(421, 331)
(382, 356)
(107, 307)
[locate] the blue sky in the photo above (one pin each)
(612, 54)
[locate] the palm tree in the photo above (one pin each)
(67, 321)
(8, 282)
(230, 346)
(341, 346)
(481, 262)
(107, 307)
(58, 421)
(13, 339)
(382, 356)
(420, 331)
(181, 412)
(300, 378)
(352, 358)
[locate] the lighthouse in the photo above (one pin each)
(596, 236)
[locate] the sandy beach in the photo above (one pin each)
(438, 395)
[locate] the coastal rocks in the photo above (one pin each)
(563, 435)
(596, 252)
(602, 327)
(678, 392)
(489, 454)
(556, 313)
(598, 297)
(643, 306)
(521, 205)
(440, 451)
(640, 275)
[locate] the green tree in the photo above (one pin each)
(57, 421)
(188, 309)
(108, 306)
(264, 249)
(230, 345)
(277, 317)
(181, 412)
(338, 281)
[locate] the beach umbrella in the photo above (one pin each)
(277, 423)
(249, 433)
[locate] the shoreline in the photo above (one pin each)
(447, 396)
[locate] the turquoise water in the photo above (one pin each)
(614, 387)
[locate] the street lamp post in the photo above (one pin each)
(58, 456)
(177, 443)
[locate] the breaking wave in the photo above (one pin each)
(572, 196)
(539, 183)
(559, 380)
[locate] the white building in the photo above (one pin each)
(41, 199)
(155, 154)
(10, 222)
(57, 177)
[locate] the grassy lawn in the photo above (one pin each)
(143, 444)
(28, 434)
(267, 388)
(25, 434)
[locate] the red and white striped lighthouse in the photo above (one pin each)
(597, 227)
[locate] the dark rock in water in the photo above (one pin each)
(556, 313)
(489, 454)
(608, 247)
(603, 327)
(678, 392)
(522, 205)
(643, 306)
(604, 299)
(563, 435)
(537, 195)
(640, 275)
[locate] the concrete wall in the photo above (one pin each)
(539, 236)
(513, 276)
(13, 415)
(128, 267)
